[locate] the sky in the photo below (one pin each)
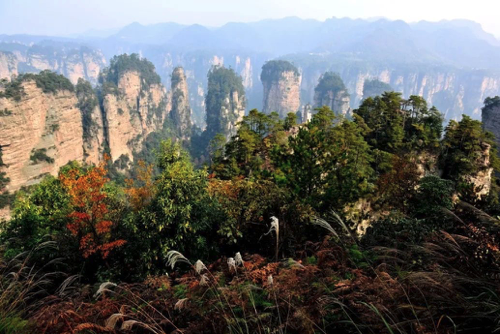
(66, 17)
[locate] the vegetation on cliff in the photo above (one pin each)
(47, 81)
(221, 109)
(5, 197)
(374, 87)
(87, 102)
(273, 70)
(124, 63)
(329, 82)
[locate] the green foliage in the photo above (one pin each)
(13, 89)
(87, 102)
(273, 70)
(222, 84)
(396, 124)
(39, 212)
(374, 87)
(491, 102)
(383, 117)
(329, 85)
(54, 127)
(181, 216)
(47, 81)
(433, 195)
(39, 155)
(5, 197)
(330, 164)
(124, 63)
(5, 112)
(467, 150)
(14, 325)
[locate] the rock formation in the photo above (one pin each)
(374, 87)
(491, 117)
(39, 132)
(281, 81)
(8, 65)
(94, 140)
(331, 92)
(181, 111)
(45, 121)
(225, 101)
(135, 104)
(73, 63)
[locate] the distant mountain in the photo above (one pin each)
(155, 34)
(453, 64)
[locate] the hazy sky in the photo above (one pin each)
(63, 17)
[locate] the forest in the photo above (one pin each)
(385, 221)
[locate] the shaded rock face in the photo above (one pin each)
(39, 133)
(75, 63)
(331, 92)
(281, 81)
(92, 123)
(181, 111)
(225, 102)
(132, 113)
(491, 117)
(482, 180)
(232, 112)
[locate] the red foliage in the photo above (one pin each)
(88, 220)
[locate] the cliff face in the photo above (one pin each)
(181, 111)
(281, 81)
(331, 92)
(8, 65)
(73, 63)
(39, 133)
(132, 113)
(225, 102)
(453, 91)
(232, 112)
(92, 122)
(491, 117)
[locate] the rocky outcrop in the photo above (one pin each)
(225, 102)
(482, 179)
(39, 133)
(73, 63)
(181, 111)
(94, 140)
(453, 91)
(491, 117)
(132, 112)
(331, 92)
(8, 65)
(281, 82)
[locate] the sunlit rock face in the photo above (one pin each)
(179, 95)
(39, 134)
(281, 81)
(132, 113)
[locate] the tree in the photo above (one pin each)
(89, 221)
(467, 150)
(384, 118)
(327, 165)
(181, 215)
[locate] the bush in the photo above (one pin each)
(40, 155)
